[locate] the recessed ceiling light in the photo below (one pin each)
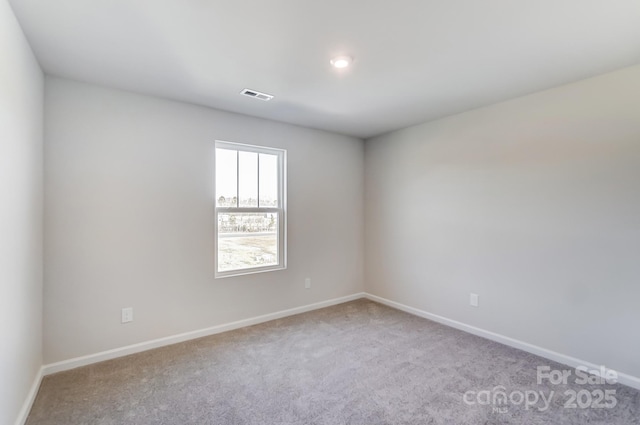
(341, 61)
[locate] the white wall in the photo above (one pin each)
(129, 219)
(21, 106)
(533, 203)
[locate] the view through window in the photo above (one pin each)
(250, 216)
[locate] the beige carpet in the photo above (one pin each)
(356, 363)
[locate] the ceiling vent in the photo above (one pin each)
(256, 94)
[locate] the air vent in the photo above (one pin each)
(256, 94)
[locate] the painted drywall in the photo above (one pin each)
(534, 204)
(129, 219)
(21, 108)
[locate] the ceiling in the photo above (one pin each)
(415, 60)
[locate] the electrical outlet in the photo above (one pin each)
(474, 300)
(127, 315)
(307, 283)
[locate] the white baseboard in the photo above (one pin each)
(31, 396)
(623, 378)
(161, 342)
(573, 362)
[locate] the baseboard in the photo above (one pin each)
(161, 342)
(573, 362)
(31, 396)
(623, 378)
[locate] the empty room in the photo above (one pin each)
(319, 212)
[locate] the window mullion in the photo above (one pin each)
(237, 179)
(256, 210)
(280, 180)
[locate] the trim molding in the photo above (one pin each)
(161, 342)
(623, 378)
(31, 397)
(61, 366)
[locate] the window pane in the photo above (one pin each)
(248, 179)
(247, 240)
(226, 176)
(268, 180)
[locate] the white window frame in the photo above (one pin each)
(280, 209)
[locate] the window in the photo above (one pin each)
(250, 209)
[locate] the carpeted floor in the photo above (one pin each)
(355, 363)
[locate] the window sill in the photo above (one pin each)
(244, 272)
